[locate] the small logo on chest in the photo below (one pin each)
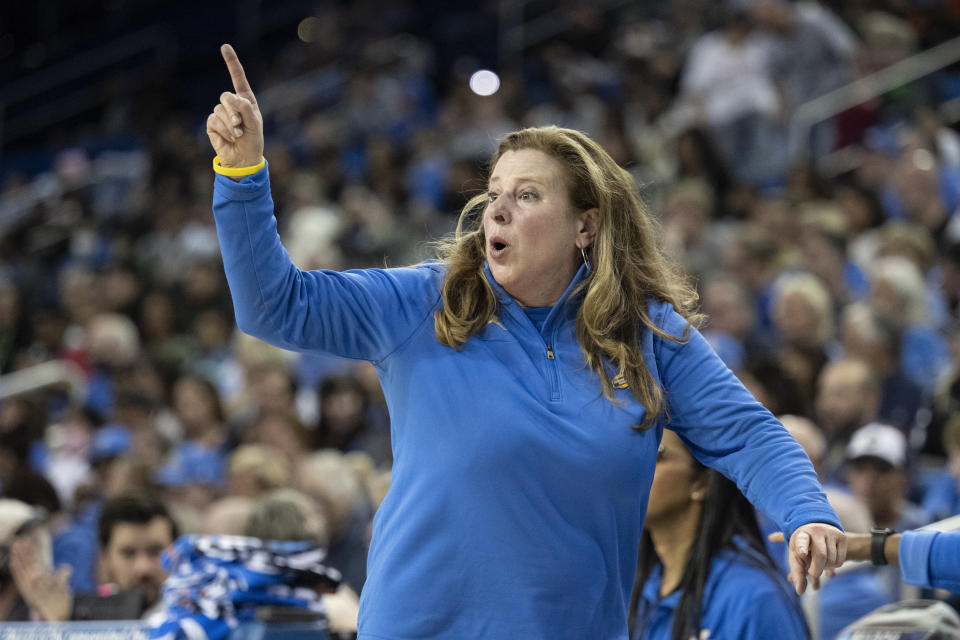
(494, 320)
(619, 382)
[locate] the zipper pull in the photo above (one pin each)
(549, 352)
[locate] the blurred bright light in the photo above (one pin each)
(309, 29)
(484, 82)
(924, 160)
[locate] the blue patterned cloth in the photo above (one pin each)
(217, 582)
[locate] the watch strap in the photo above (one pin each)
(878, 538)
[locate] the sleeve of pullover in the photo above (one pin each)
(362, 314)
(930, 559)
(727, 429)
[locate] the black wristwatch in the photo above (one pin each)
(878, 537)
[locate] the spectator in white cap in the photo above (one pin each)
(876, 472)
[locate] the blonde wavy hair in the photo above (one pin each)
(627, 267)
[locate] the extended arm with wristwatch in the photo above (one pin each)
(927, 557)
(880, 546)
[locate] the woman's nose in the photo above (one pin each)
(499, 210)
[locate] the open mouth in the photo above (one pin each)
(497, 247)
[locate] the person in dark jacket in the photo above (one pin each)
(133, 531)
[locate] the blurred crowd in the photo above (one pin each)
(828, 265)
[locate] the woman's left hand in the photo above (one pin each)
(814, 547)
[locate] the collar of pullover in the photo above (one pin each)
(561, 308)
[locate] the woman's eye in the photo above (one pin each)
(491, 196)
(528, 195)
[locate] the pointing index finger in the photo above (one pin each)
(239, 78)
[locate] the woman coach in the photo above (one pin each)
(529, 375)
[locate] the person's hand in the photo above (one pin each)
(343, 607)
(814, 547)
(46, 592)
(235, 127)
(777, 536)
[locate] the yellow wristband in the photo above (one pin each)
(237, 172)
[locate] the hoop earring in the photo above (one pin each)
(585, 261)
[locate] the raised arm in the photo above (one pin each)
(363, 314)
